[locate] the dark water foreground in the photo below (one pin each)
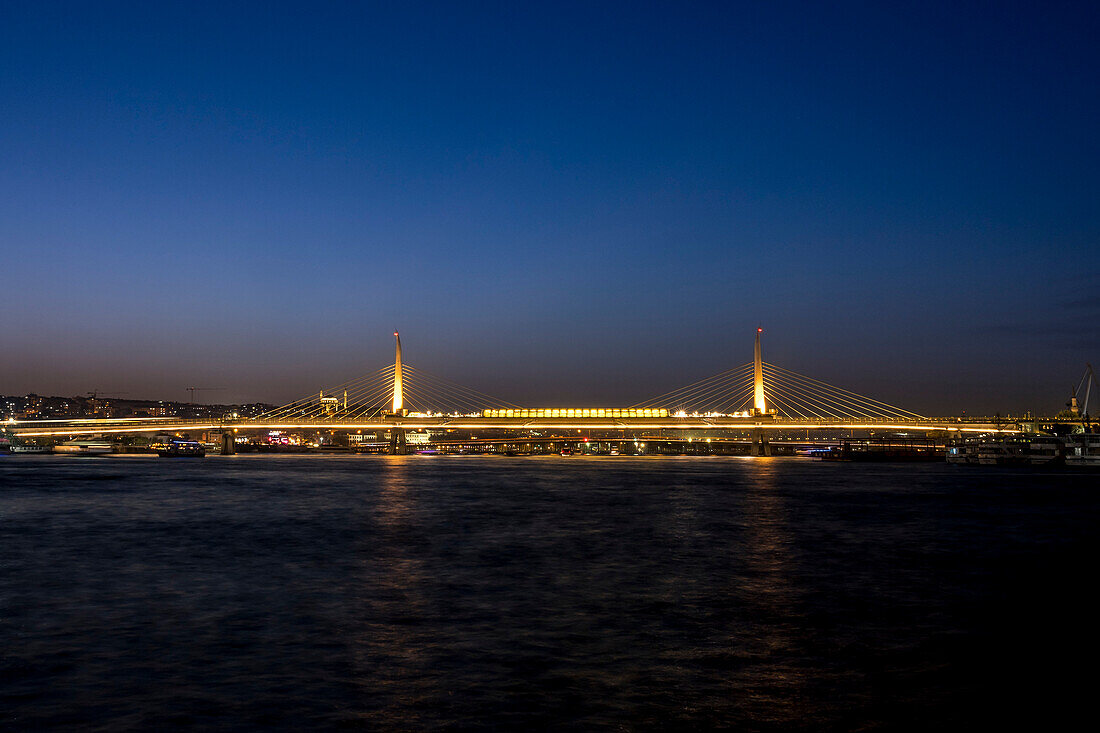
(488, 593)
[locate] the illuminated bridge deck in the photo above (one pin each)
(57, 428)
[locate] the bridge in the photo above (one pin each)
(757, 397)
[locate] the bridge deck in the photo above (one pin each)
(44, 428)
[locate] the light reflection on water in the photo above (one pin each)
(408, 593)
(777, 687)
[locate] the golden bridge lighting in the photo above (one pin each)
(578, 412)
(401, 397)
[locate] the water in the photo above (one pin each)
(547, 593)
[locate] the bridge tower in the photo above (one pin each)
(758, 378)
(760, 444)
(398, 399)
(398, 444)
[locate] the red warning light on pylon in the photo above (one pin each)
(759, 330)
(395, 333)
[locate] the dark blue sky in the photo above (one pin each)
(556, 204)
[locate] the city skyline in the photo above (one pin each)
(569, 205)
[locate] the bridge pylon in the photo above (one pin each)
(759, 407)
(398, 402)
(760, 444)
(399, 445)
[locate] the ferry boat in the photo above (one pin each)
(181, 449)
(1004, 452)
(1083, 450)
(85, 448)
(963, 453)
(1047, 450)
(31, 449)
(889, 450)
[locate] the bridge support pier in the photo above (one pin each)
(398, 445)
(229, 445)
(760, 444)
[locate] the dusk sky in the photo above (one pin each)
(558, 204)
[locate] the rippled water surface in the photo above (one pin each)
(412, 593)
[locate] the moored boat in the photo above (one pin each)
(1083, 450)
(181, 449)
(85, 448)
(963, 453)
(1047, 450)
(1004, 452)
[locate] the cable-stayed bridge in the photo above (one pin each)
(757, 396)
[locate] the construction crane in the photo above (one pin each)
(94, 394)
(1086, 381)
(193, 390)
